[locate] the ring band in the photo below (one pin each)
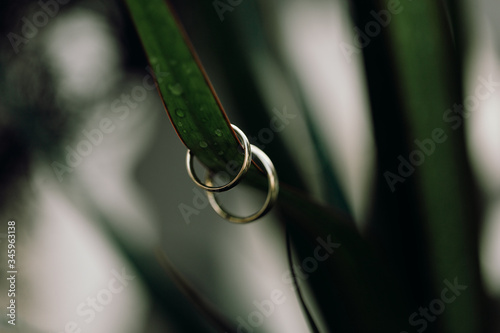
(247, 162)
(272, 192)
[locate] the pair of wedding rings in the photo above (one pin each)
(250, 152)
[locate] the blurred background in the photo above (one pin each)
(94, 175)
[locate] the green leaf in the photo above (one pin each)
(427, 226)
(189, 99)
(430, 85)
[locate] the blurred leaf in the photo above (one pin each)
(163, 289)
(196, 298)
(427, 226)
(395, 225)
(430, 85)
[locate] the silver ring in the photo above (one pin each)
(247, 162)
(272, 192)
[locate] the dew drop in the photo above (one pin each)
(203, 144)
(179, 113)
(175, 89)
(184, 131)
(218, 132)
(179, 123)
(187, 68)
(220, 153)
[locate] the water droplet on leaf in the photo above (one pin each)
(203, 144)
(187, 68)
(175, 89)
(179, 113)
(218, 132)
